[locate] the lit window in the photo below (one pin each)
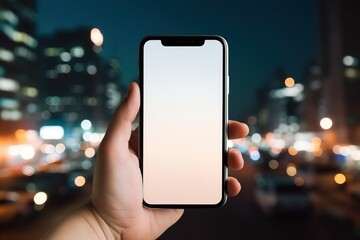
(90, 101)
(6, 55)
(52, 74)
(25, 53)
(9, 16)
(9, 103)
(52, 52)
(20, 37)
(77, 52)
(91, 69)
(11, 115)
(351, 73)
(65, 56)
(53, 100)
(30, 91)
(350, 61)
(9, 85)
(63, 68)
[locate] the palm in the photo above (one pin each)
(121, 204)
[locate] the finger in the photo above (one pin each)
(237, 129)
(235, 159)
(233, 187)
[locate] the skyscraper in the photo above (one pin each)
(74, 78)
(18, 83)
(339, 56)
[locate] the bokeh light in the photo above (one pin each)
(289, 82)
(326, 123)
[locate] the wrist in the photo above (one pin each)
(97, 223)
(85, 223)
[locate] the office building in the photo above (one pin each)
(76, 83)
(19, 91)
(339, 56)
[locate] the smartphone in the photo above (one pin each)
(183, 120)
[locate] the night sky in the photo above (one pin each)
(262, 34)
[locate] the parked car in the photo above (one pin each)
(324, 176)
(15, 205)
(354, 190)
(277, 194)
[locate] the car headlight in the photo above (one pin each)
(40, 198)
(340, 178)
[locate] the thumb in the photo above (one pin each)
(129, 108)
(114, 151)
(119, 130)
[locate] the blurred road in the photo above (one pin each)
(35, 227)
(240, 218)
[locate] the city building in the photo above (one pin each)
(339, 56)
(331, 86)
(278, 105)
(76, 83)
(114, 90)
(18, 82)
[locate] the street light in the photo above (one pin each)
(289, 82)
(96, 37)
(326, 123)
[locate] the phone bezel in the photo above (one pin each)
(188, 40)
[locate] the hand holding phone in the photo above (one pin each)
(117, 185)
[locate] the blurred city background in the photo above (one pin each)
(294, 79)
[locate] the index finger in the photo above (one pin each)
(237, 129)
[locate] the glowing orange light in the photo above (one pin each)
(336, 149)
(299, 181)
(318, 152)
(20, 134)
(291, 170)
(289, 82)
(292, 151)
(340, 178)
(80, 181)
(316, 141)
(90, 152)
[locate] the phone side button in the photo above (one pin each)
(228, 85)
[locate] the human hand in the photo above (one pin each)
(117, 191)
